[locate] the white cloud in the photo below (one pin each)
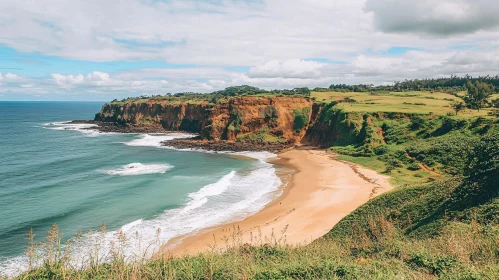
(275, 39)
(9, 78)
(67, 81)
(442, 17)
(183, 31)
(296, 68)
(289, 74)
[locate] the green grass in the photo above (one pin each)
(398, 176)
(437, 103)
(366, 245)
(409, 148)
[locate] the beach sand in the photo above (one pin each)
(319, 194)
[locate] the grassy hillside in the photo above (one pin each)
(447, 229)
(441, 222)
(413, 102)
(412, 148)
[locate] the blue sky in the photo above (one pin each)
(101, 50)
(40, 65)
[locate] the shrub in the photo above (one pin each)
(417, 122)
(392, 164)
(301, 118)
(381, 150)
(269, 112)
(434, 264)
(235, 120)
(482, 167)
(413, 166)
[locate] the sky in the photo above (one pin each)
(99, 50)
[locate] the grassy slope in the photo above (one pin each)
(411, 149)
(421, 230)
(419, 102)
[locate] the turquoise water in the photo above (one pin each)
(57, 173)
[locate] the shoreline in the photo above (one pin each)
(193, 143)
(320, 192)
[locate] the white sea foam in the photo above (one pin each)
(138, 168)
(263, 155)
(85, 128)
(201, 197)
(154, 140)
(233, 197)
(128, 226)
(256, 155)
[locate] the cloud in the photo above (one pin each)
(442, 17)
(190, 45)
(287, 74)
(67, 81)
(296, 68)
(185, 31)
(9, 78)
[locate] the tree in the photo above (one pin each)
(478, 93)
(457, 106)
(482, 169)
(495, 103)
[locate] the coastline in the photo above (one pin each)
(320, 192)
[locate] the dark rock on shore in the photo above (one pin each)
(189, 143)
(122, 128)
(226, 146)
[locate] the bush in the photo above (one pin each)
(391, 164)
(235, 120)
(269, 112)
(449, 150)
(482, 167)
(417, 122)
(434, 264)
(301, 118)
(413, 166)
(381, 150)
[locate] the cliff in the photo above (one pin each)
(246, 117)
(256, 119)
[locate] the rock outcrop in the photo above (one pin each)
(254, 120)
(237, 117)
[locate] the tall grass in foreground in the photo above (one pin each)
(381, 251)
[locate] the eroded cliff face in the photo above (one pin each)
(250, 118)
(186, 117)
(239, 116)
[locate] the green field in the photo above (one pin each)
(412, 102)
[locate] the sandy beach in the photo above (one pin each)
(319, 194)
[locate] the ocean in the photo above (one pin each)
(52, 172)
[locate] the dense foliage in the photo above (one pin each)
(302, 117)
(478, 94)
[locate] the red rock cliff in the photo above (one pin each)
(224, 121)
